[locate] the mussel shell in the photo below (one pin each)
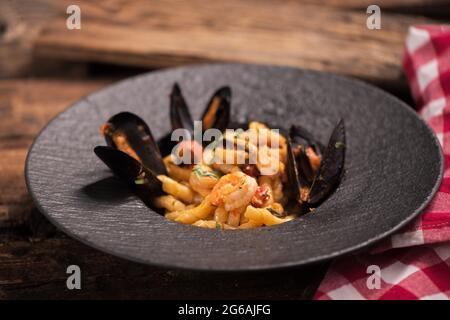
(218, 110)
(130, 170)
(180, 116)
(138, 137)
(303, 137)
(292, 174)
(216, 114)
(306, 172)
(295, 183)
(331, 167)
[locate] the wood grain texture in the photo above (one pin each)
(26, 106)
(34, 256)
(166, 33)
(31, 267)
(383, 4)
(38, 271)
(20, 22)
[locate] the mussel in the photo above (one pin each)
(310, 186)
(142, 181)
(127, 132)
(313, 171)
(331, 167)
(216, 114)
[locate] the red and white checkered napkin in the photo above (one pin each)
(414, 263)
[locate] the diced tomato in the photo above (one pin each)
(251, 170)
(262, 196)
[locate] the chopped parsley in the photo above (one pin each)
(199, 172)
(139, 181)
(339, 144)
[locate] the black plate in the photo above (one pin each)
(393, 168)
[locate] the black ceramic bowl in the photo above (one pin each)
(393, 168)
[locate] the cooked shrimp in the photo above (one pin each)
(234, 216)
(220, 215)
(202, 179)
(233, 190)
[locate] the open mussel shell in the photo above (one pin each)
(127, 132)
(302, 141)
(331, 167)
(142, 181)
(180, 116)
(216, 114)
(303, 194)
(301, 136)
(295, 204)
(306, 172)
(218, 110)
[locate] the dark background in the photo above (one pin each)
(44, 67)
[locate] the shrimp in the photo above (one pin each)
(202, 179)
(220, 215)
(233, 190)
(234, 216)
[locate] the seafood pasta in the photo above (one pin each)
(228, 195)
(241, 179)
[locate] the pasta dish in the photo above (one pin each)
(219, 174)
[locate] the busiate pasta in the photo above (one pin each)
(221, 178)
(228, 195)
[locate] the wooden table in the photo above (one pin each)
(44, 67)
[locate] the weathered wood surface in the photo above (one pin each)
(25, 108)
(38, 270)
(34, 256)
(401, 5)
(167, 33)
(326, 35)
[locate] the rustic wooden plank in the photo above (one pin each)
(20, 22)
(108, 277)
(25, 108)
(166, 33)
(383, 4)
(436, 9)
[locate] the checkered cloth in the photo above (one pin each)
(414, 263)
